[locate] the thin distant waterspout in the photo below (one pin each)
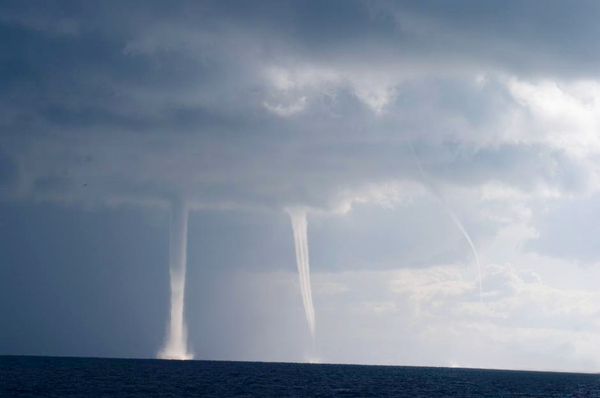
(438, 194)
(176, 341)
(299, 226)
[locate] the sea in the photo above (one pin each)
(22, 376)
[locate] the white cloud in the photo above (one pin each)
(431, 316)
(377, 98)
(562, 114)
(285, 111)
(386, 194)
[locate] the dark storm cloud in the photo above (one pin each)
(526, 37)
(504, 31)
(9, 171)
(271, 104)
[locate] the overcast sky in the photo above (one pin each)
(400, 127)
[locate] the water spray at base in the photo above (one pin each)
(455, 220)
(299, 225)
(176, 342)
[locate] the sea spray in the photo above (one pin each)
(176, 341)
(455, 220)
(299, 225)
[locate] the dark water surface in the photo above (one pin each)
(94, 377)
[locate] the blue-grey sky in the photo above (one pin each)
(111, 111)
